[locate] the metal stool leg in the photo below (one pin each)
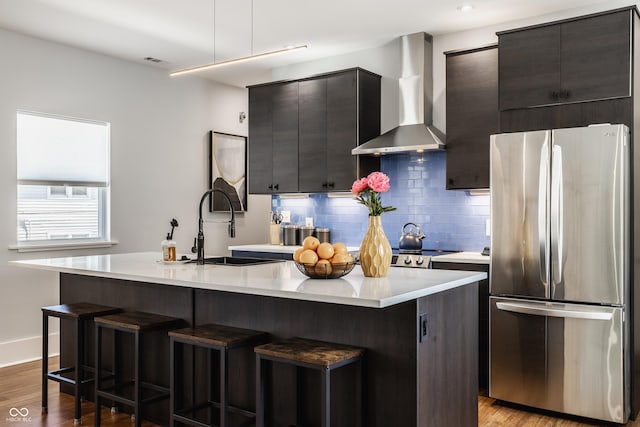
(77, 389)
(224, 389)
(116, 368)
(260, 386)
(359, 393)
(325, 398)
(136, 379)
(45, 360)
(98, 375)
(172, 381)
(299, 393)
(211, 382)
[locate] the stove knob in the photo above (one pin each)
(420, 260)
(407, 260)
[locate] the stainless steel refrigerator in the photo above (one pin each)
(559, 272)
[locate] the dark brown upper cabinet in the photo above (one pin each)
(576, 60)
(273, 139)
(472, 115)
(318, 123)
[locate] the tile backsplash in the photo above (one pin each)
(450, 219)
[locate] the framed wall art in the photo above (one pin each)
(228, 171)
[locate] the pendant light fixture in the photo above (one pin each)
(253, 56)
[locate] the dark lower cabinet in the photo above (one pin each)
(483, 317)
(409, 378)
(472, 115)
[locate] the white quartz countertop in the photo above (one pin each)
(279, 279)
(266, 247)
(463, 257)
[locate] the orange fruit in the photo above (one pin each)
(325, 250)
(323, 267)
(339, 247)
(308, 256)
(296, 254)
(341, 258)
(311, 242)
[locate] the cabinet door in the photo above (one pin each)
(596, 62)
(529, 67)
(285, 138)
(342, 136)
(313, 135)
(483, 316)
(472, 116)
(574, 61)
(260, 142)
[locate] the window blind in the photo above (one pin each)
(54, 150)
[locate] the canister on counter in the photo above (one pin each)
(323, 234)
(304, 231)
(289, 235)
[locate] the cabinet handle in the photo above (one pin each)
(565, 94)
(324, 185)
(555, 95)
(275, 187)
(270, 187)
(332, 184)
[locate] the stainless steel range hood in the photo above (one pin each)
(415, 132)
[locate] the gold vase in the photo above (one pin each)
(375, 250)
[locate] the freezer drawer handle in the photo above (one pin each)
(541, 310)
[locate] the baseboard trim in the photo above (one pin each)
(27, 349)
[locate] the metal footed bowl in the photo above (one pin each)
(325, 271)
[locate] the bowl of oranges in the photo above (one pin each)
(323, 260)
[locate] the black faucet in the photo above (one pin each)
(199, 241)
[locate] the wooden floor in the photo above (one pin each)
(20, 388)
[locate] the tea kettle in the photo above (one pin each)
(410, 241)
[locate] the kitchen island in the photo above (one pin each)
(418, 327)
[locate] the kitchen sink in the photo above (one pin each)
(235, 260)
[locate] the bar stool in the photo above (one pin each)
(312, 354)
(79, 313)
(218, 338)
(138, 324)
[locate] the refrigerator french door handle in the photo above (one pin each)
(543, 217)
(540, 309)
(557, 218)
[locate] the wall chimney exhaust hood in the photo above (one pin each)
(415, 132)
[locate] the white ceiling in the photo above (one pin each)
(182, 32)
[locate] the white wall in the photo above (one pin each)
(159, 166)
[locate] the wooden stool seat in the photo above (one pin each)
(305, 353)
(79, 313)
(221, 339)
(136, 323)
(81, 310)
(217, 336)
(310, 352)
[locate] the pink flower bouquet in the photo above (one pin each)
(367, 191)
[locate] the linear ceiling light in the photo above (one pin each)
(236, 60)
(253, 56)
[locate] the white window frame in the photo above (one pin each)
(103, 202)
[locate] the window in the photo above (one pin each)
(63, 179)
